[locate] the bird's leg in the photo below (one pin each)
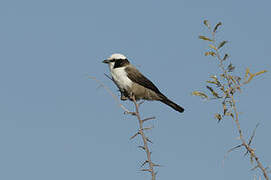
(131, 96)
(123, 97)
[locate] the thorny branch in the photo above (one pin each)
(228, 86)
(244, 143)
(141, 130)
(145, 140)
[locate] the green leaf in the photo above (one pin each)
(214, 77)
(216, 81)
(206, 23)
(201, 94)
(221, 44)
(205, 38)
(213, 92)
(225, 57)
(212, 46)
(216, 26)
(210, 53)
(218, 117)
(230, 68)
(212, 82)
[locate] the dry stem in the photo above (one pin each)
(145, 139)
(249, 149)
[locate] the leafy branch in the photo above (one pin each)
(224, 87)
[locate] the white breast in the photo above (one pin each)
(120, 77)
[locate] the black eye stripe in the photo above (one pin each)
(117, 59)
(120, 62)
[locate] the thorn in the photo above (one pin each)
(240, 145)
(148, 140)
(128, 112)
(148, 128)
(142, 147)
(149, 170)
(253, 134)
(150, 118)
(134, 135)
(143, 164)
(158, 165)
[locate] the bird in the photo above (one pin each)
(132, 83)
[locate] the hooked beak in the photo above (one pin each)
(106, 61)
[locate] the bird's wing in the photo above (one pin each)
(139, 78)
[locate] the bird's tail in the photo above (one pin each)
(172, 104)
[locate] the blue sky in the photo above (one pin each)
(56, 124)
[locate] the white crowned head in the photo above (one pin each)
(117, 56)
(113, 58)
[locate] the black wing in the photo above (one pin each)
(139, 78)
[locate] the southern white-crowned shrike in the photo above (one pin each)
(132, 83)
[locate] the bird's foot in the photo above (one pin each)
(123, 98)
(132, 97)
